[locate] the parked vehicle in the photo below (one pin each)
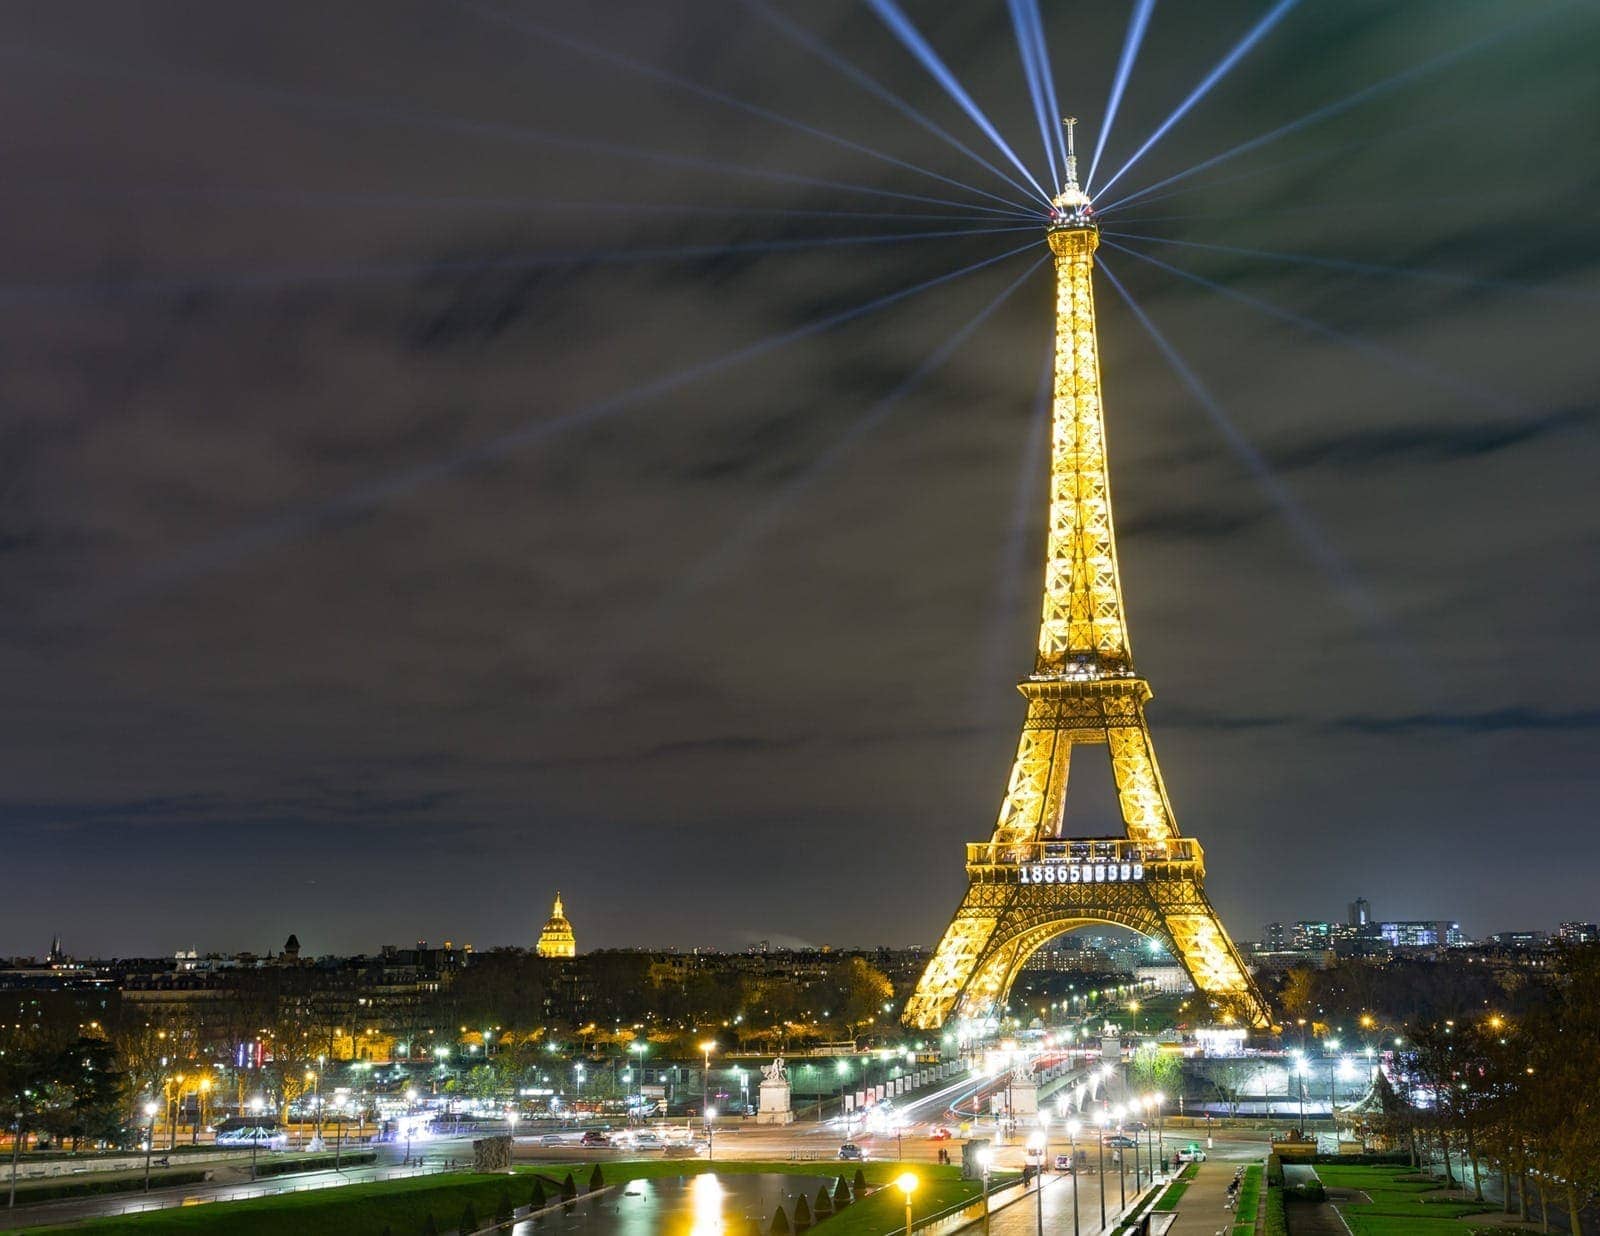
(852, 1152)
(1191, 1154)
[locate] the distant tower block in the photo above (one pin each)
(1029, 883)
(556, 939)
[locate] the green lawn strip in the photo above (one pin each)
(1174, 1194)
(405, 1205)
(1362, 1222)
(884, 1212)
(64, 1187)
(1393, 1194)
(1277, 1225)
(1249, 1196)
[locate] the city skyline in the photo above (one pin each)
(345, 597)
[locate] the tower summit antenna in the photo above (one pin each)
(1072, 206)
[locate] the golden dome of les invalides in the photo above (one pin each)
(556, 938)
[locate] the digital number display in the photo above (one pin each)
(1080, 873)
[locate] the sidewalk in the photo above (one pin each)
(1203, 1209)
(1020, 1213)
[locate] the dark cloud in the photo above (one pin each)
(369, 422)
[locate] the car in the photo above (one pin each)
(594, 1138)
(647, 1141)
(1191, 1154)
(851, 1152)
(1120, 1139)
(939, 1133)
(1064, 1163)
(1135, 1126)
(552, 1139)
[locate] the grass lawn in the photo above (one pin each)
(1401, 1205)
(404, 1206)
(1249, 1201)
(1174, 1192)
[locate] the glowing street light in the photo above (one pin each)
(908, 1186)
(710, 1118)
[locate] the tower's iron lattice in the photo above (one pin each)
(1028, 883)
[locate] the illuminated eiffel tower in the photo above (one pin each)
(1028, 884)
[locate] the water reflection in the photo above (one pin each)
(707, 1192)
(700, 1205)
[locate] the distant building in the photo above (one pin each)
(1520, 939)
(1422, 933)
(556, 938)
(1275, 937)
(1313, 936)
(1360, 913)
(1578, 933)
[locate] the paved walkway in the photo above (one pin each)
(1203, 1209)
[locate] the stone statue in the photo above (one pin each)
(775, 1104)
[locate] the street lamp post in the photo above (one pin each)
(985, 1162)
(908, 1185)
(1100, 1154)
(710, 1117)
(411, 1099)
(1150, 1137)
(256, 1104)
(1161, 1125)
(1138, 1106)
(1120, 1112)
(149, 1141)
(705, 1077)
(1036, 1145)
(1072, 1144)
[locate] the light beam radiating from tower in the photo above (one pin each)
(1255, 34)
(1130, 52)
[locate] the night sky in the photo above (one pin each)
(371, 569)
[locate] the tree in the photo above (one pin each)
(1153, 1069)
(1233, 1079)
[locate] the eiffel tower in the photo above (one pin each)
(1027, 883)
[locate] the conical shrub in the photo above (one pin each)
(537, 1200)
(802, 1214)
(780, 1223)
(597, 1179)
(824, 1204)
(469, 1220)
(841, 1194)
(569, 1190)
(504, 1210)
(860, 1183)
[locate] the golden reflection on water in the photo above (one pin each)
(707, 1194)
